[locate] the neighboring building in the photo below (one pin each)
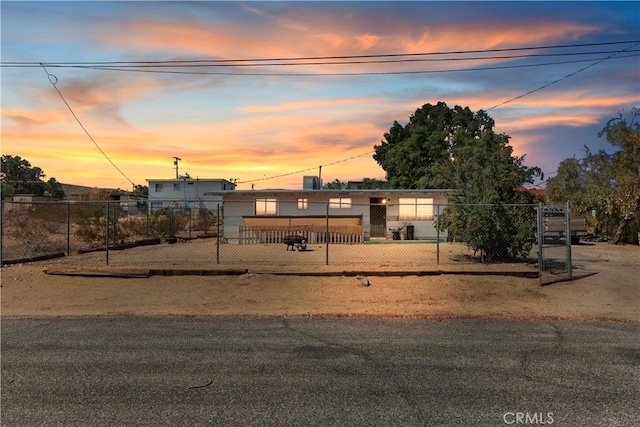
(81, 192)
(187, 192)
(24, 202)
(129, 201)
(311, 182)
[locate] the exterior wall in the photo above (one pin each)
(423, 229)
(24, 202)
(236, 207)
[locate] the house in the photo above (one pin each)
(185, 192)
(350, 215)
(357, 215)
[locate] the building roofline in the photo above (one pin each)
(188, 180)
(336, 192)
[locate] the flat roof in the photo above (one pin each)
(336, 192)
(188, 180)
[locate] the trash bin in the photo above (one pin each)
(395, 235)
(410, 229)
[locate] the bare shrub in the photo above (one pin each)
(91, 229)
(205, 219)
(37, 234)
(133, 226)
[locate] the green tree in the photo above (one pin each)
(487, 173)
(19, 177)
(336, 185)
(457, 149)
(141, 190)
(367, 183)
(607, 184)
(374, 184)
(419, 154)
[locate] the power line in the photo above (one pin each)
(562, 78)
(343, 74)
(494, 107)
(240, 63)
(366, 73)
(305, 170)
(54, 80)
(210, 63)
(215, 62)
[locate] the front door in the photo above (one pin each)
(378, 217)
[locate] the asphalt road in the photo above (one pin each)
(320, 372)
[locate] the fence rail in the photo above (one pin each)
(255, 234)
(108, 233)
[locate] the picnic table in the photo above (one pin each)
(295, 242)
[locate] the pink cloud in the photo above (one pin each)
(321, 35)
(308, 104)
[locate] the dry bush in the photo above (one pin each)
(37, 234)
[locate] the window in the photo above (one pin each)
(266, 206)
(340, 203)
(412, 208)
(303, 203)
(176, 186)
(159, 188)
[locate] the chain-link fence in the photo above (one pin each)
(283, 234)
(104, 232)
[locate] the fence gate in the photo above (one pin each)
(554, 244)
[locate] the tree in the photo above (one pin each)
(419, 155)
(607, 184)
(19, 177)
(140, 190)
(457, 149)
(487, 173)
(336, 185)
(366, 183)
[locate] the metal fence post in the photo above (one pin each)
(567, 217)
(106, 233)
(148, 213)
(1, 232)
(438, 235)
(191, 216)
(112, 217)
(540, 235)
(218, 234)
(68, 229)
(326, 239)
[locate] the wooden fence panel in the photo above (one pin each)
(251, 235)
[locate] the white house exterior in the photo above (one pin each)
(183, 192)
(379, 212)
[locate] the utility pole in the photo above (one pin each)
(175, 163)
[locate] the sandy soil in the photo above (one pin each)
(607, 287)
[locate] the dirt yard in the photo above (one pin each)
(607, 286)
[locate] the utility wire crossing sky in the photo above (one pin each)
(265, 92)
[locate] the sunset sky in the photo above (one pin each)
(270, 122)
